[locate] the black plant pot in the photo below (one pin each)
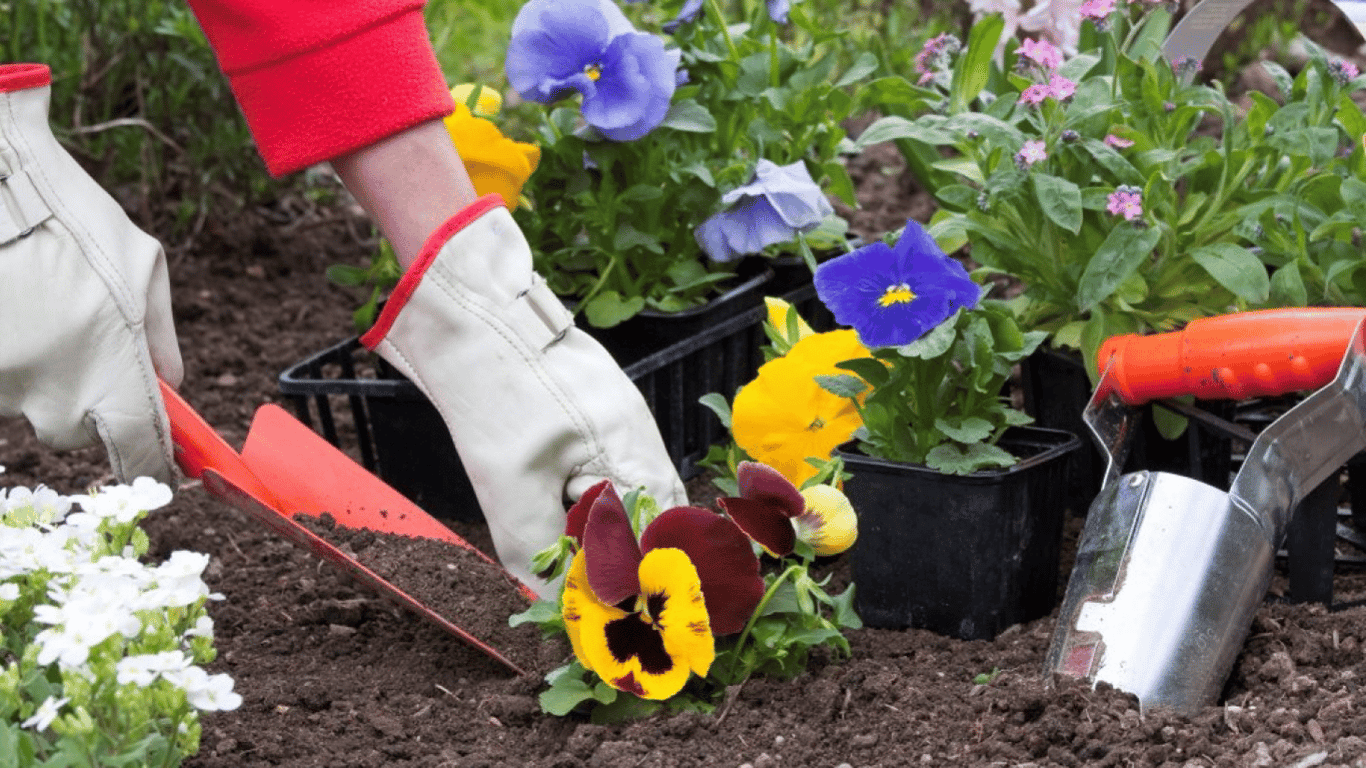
(961, 555)
(652, 331)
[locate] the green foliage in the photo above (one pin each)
(937, 401)
(611, 223)
(138, 98)
(1239, 210)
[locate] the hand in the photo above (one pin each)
(87, 301)
(538, 411)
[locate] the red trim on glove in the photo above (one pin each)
(21, 77)
(435, 242)
(317, 79)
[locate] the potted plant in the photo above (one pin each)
(959, 500)
(651, 189)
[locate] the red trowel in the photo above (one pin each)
(285, 470)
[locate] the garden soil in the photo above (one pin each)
(332, 675)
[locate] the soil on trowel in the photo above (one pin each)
(453, 581)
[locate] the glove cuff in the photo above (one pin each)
(21, 77)
(402, 292)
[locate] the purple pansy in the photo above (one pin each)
(627, 78)
(893, 295)
(780, 202)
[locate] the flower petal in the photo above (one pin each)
(768, 527)
(672, 588)
(723, 556)
(552, 42)
(577, 517)
(765, 484)
(637, 85)
(611, 553)
(829, 524)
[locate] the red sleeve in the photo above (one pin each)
(320, 78)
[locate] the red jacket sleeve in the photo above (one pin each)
(320, 78)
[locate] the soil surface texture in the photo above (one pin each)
(333, 675)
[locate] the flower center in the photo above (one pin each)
(593, 71)
(900, 293)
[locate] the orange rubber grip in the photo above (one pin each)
(1233, 357)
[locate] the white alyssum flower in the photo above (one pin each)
(45, 714)
(125, 502)
(144, 669)
(9, 592)
(209, 693)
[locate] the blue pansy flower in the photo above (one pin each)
(779, 203)
(627, 78)
(777, 10)
(893, 295)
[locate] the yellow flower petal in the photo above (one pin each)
(489, 103)
(496, 164)
(653, 651)
(777, 317)
(829, 524)
(783, 416)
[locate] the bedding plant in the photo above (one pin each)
(668, 156)
(1126, 196)
(102, 654)
(668, 609)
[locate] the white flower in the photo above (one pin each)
(204, 691)
(125, 502)
(9, 592)
(178, 580)
(46, 713)
(203, 627)
(143, 669)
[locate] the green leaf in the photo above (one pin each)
(1075, 68)
(842, 384)
(973, 68)
(934, 343)
(1060, 200)
(961, 166)
(892, 127)
(718, 405)
(1236, 268)
(563, 696)
(610, 308)
(689, 116)
(628, 237)
(953, 460)
(970, 430)
(1111, 160)
(1287, 287)
(1284, 82)
(1170, 424)
(540, 612)
(869, 369)
(347, 275)
(839, 183)
(1124, 249)
(865, 65)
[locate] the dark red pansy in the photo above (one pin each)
(723, 557)
(765, 507)
(578, 513)
(611, 553)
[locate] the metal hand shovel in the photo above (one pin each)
(1169, 570)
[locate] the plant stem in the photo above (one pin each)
(791, 571)
(714, 8)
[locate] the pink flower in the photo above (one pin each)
(1041, 52)
(1117, 142)
(1035, 94)
(1032, 152)
(1125, 201)
(1097, 9)
(1061, 88)
(1059, 21)
(936, 56)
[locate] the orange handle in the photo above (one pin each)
(198, 447)
(1232, 357)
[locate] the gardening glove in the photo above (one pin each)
(538, 410)
(86, 310)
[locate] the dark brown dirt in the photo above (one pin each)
(332, 675)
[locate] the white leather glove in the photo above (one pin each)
(538, 410)
(85, 303)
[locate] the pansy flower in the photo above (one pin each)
(496, 164)
(777, 11)
(626, 77)
(775, 514)
(783, 417)
(779, 203)
(894, 295)
(642, 615)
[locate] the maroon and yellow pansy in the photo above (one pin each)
(643, 614)
(775, 514)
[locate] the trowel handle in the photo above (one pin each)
(1232, 357)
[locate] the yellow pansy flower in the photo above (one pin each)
(829, 524)
(496, 164)
(783, 416)
(489, 103)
